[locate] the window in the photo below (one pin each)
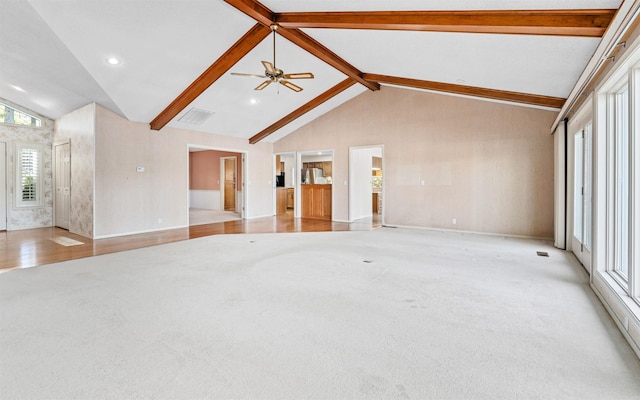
(9, 115)
(28, 175)
(620, 159)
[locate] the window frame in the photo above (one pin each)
(39, 125)
(620, 259)
(18, 190)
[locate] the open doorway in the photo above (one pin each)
(366, 191)
(316, 183)
(215, 185)
(285, 184)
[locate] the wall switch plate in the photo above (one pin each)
(453, 221)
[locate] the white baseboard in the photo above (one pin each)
(622, 309)
(165, 228)
(468, 232)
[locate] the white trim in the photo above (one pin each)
(235, 181)
(546, 239)
(165, 228)
(298, 193)
(351, 179)
(19, 203)
(623, 309)
(627, 13)
(244, 164)
(4, 183)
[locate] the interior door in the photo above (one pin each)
(581, 240)
(230, 184)
(63, 185)
(3, 186)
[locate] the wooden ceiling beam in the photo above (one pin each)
(316, 48)
(263, 15)
(516, 97)
(587, 23)
(339, 88)
(247, 42)
(254, 9)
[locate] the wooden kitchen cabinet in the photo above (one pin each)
(290, 193)
(316, 201)
(281, 200)
(327, 169)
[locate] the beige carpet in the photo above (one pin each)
(385, 314)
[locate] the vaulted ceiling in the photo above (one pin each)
(178, 55)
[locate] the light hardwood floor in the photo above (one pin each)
(31, 247)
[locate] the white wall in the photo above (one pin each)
(206, 199)
(127, 201)
(360, 164)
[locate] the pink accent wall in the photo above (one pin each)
(204, 169)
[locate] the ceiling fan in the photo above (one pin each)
(274, 75)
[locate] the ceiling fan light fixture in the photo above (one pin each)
(274, 74)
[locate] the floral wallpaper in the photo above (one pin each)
(29, 217)
(78, 127)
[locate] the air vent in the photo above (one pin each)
(542, 253)
(196, 116)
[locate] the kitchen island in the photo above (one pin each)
(316, 201)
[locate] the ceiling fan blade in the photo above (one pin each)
(299, 75)
(263, 85)
(269, 67)
(252, 75)
(290, 85)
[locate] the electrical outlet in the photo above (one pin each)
(159, 220)
(454, 221)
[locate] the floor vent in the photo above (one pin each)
(542, 253)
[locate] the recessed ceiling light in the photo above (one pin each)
(113, 61)
(18, 88)
(319, 153)
(253, 101)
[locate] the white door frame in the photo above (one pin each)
(352, 179)
(3, 185)
(576, 129)
(54, 165)
(235, 181)
(297, 211)
(293, 179)
(244, 160)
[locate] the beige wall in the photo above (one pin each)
(78, 127)
(127, 201)
(489, 165)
